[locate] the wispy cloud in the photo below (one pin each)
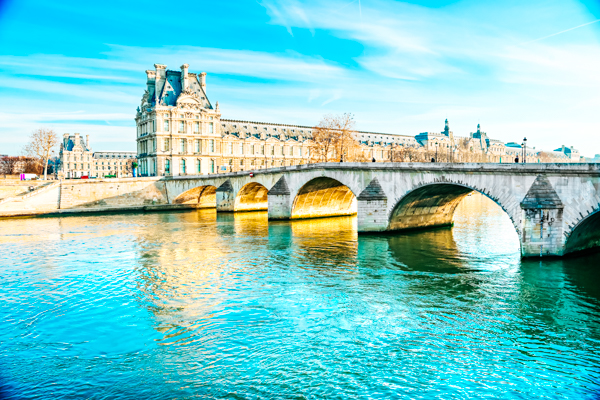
(398, 67)
(566, 30)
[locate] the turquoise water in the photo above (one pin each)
(177, 305)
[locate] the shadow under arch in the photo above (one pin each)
(252, 197)
(433, 205)
(585, 236)
(201, 196)
(323, 197)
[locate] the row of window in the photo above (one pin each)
(183, 127)
(266, 129)
(254, 149)
(184, 169)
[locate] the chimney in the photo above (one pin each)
(160, 78)
(151, 82)
(203, 81)
(185, 83)
(87, 142)
(66, 136)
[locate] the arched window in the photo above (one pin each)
(183, 165)
(198, 166)
(212, 166)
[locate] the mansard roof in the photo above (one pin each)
(70, 142)
(168, 89)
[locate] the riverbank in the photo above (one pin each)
(42, 198)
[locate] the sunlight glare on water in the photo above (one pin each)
(182, 304)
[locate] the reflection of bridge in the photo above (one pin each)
(553, 207)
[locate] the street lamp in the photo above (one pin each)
(436, 149)
(524, 150)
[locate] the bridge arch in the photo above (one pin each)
(201, 196)
(252, 197)
(433, 205)
(585, 235)
(323, 197)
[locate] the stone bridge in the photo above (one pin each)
(553, 207)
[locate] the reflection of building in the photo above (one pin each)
(77, 160)
(180, 132)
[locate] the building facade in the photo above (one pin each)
(181, 132)
(117, 164)
(76, 160)
(75, 155)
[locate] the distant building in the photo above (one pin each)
(77, 159)
(570, 152)
(75, 156)
(113, 163)
(181, 132)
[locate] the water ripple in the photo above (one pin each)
(194, 304)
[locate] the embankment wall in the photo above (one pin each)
(75, 196)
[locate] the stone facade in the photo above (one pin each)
(113, 163)
(75, 156)
(77, 159)
(181, 132)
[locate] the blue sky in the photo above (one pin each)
(518, 68)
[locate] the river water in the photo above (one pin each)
(184, 304)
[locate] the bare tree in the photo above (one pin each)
(32, 165)
(545, 157)
(40, 146)
(324, 137)
(334, 140)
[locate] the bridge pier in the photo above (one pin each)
(372, 209)
(542, 216)
(280, 201)
(225, 197)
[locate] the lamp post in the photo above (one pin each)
(524, 150)
(436, 149)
